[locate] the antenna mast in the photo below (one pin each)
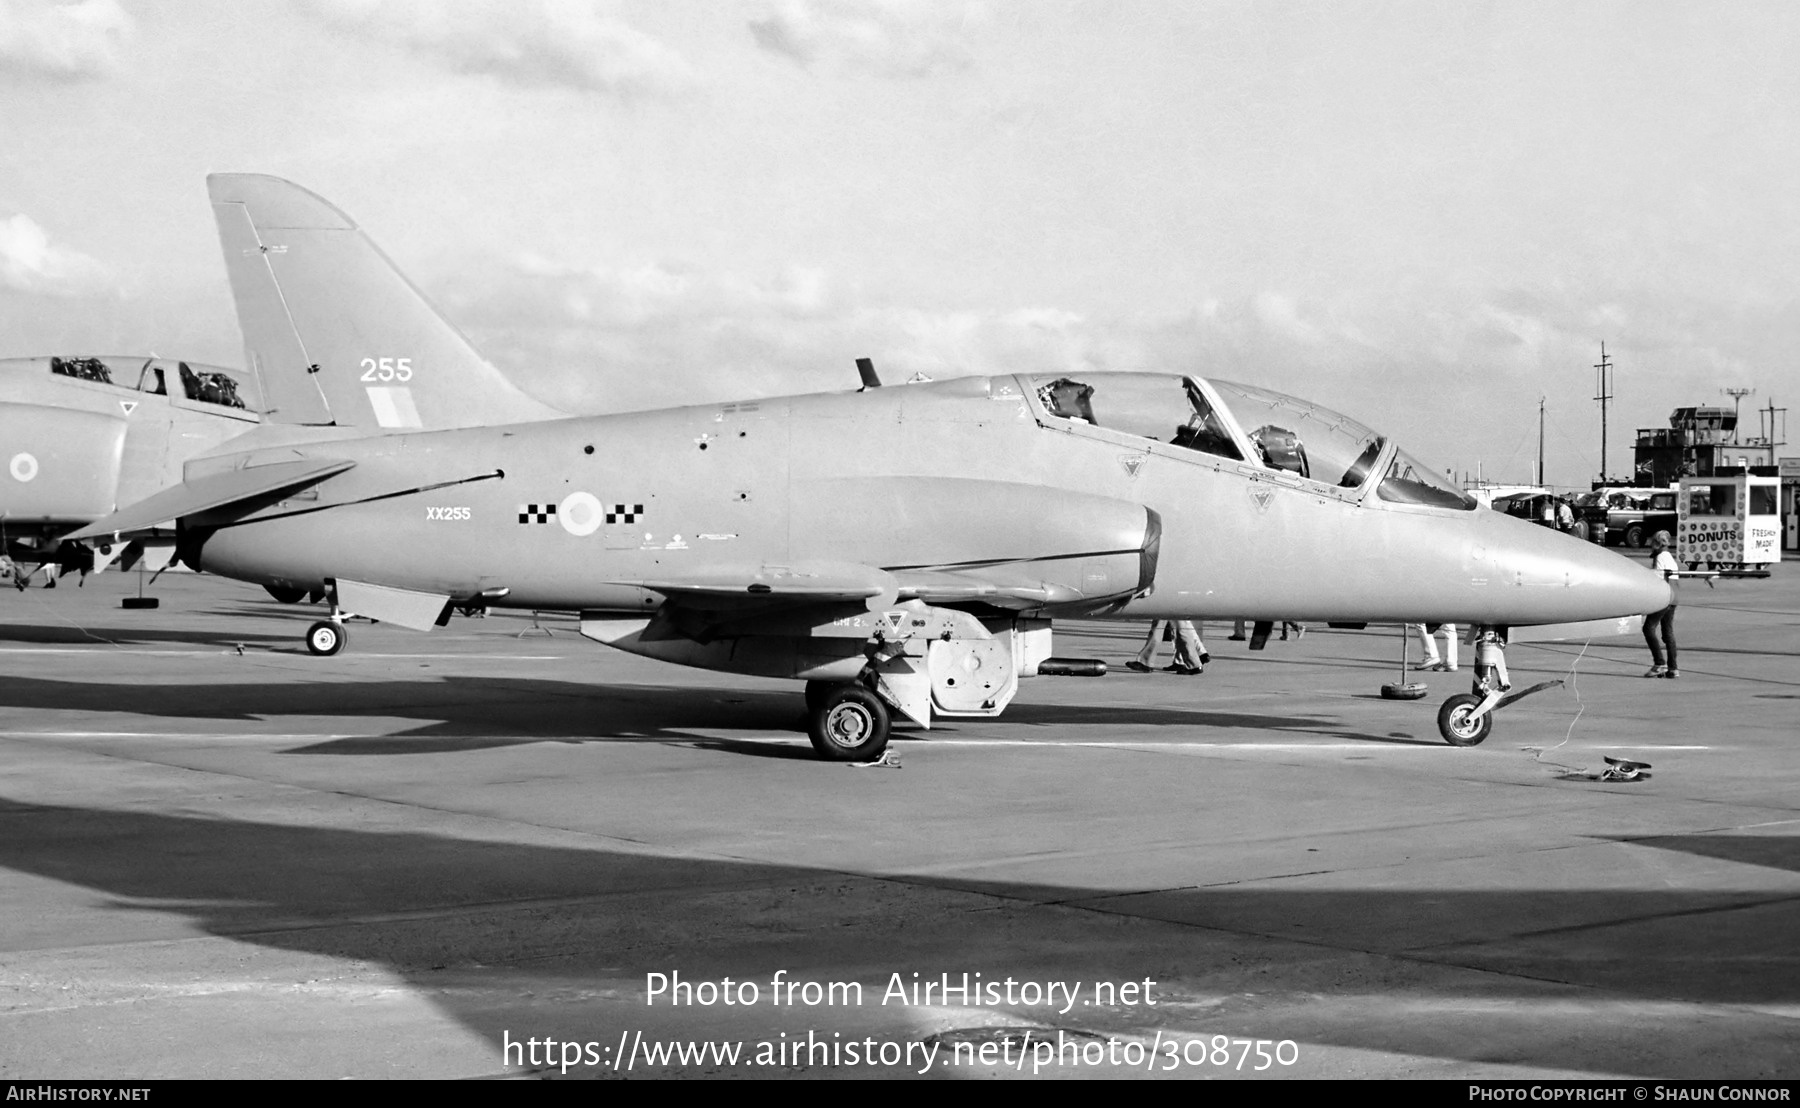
(1737, 402)
(1773, 437)
(1603, 393)
(1540, 479)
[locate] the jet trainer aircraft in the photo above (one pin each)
(81, 435)
(899, 549)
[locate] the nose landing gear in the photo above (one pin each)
(1459, 723)
(1467, 719)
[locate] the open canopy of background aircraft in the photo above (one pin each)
(82, 435)
(899, 549)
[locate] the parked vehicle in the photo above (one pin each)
(1633, 515)
(1545, 509)
(1591, 515)
(1731, 522)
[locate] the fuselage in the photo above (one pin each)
(973, 472)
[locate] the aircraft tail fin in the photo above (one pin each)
(335, 334)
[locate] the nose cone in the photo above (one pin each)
(1544, 576)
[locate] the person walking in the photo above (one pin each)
(1190, 651)
(1299, 629)
(1446, 663)
(1659, 627)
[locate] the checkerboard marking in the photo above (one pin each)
(536, 513)
(625, 513)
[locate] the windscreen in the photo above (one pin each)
(1410, 481)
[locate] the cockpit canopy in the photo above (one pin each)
(1244, 423)
(161, 377)
(1150, 405)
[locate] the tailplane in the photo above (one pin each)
(336, 335)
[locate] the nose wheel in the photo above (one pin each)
(1459, 724)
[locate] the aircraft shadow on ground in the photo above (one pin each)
(464, 921)
(100, 637)
(475, 713)
(264, 622)
(465, 713)
(1078, 715)
(1772, 851)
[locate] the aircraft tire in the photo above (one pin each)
(285, 596)
(1454, 725)
(1412, 690)
(325, 638)
(850, 724)
(816, 691)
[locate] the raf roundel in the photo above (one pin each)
(24, 467)
(579, 513)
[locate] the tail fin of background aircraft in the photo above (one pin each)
(335, 334)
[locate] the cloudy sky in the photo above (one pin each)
(1428, 215)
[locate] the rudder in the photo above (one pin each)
(334, 332)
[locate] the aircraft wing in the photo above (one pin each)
(802, 582)
(214, 490)
(1014, 585)
(1007, 586)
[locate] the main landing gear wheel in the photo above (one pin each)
(325, 637)
(285, 595)
(1456, 726)
(847, 724)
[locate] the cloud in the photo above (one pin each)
(653, 294)
(547, 43)
(30, 263)
(890, 38)
(669, 333)
(65, 41)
